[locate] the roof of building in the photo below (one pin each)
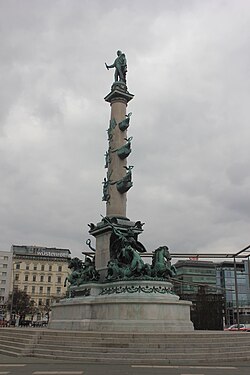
(40, 251)
(194, 263)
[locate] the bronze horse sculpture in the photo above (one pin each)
(161, 263)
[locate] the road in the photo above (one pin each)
(35, 366)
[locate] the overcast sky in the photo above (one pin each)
(188, 67)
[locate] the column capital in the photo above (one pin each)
(119, 92)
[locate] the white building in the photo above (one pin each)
(5, 275)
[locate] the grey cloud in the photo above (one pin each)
(188, 66)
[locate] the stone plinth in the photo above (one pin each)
(102, 232)
(125, 306)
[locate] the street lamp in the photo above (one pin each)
(13, 287)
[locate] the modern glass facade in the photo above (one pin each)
(194, 275)
(226, 279)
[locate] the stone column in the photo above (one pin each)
(118, 99)
(116, 202)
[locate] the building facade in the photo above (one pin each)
(196, 282)
(40, 272)
(193, 274)
(5, 275)
(226, 280)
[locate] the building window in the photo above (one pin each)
(49, 279)
(4, 273)
(41, 278)
(47, 302)
(5, 265)
(26, 278)
(35, 268)
(58, 290)
(59, 279)
(3, 281)
(25, 288)
(17, 266)
(41, 290)
(50, 268)
(59, 268)
(33, 289)
(27, 267)
(16, 276)
(5, 257)
(42, 267)
(40, 302)
(34, 277)
(48, 290)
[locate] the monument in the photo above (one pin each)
(114, 289)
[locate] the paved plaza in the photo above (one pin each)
(35, 366)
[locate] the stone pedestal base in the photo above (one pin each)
(125, 306)
(102, 232)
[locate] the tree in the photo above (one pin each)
(20, 303)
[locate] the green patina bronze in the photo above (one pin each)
(124, 151)
(82, 272)
(88, 242)
(124, 124)
(71, 293)
(89, 272)
(105, 189)
(161, 263)
(125, 183)
(75, 265)
(120, 238)
(112, 125)
(136, 289)
(116, 271)
(129, 265)
(120, 65)
(126, 264)
(126, 261)
(107, 158)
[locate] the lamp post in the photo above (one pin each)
(236, 295)
(13, 287)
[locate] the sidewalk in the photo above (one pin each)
(21, 360)
(12, 360)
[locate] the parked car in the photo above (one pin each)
(242, 328)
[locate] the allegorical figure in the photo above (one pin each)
(120, 65)
(106, 195)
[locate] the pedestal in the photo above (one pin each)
(103, 232)
(125, 306)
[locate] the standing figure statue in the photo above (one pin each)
(120, 65)
(105, 189)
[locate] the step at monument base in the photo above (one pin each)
(131, 348)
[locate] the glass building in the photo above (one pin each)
(226, 280)
(192, 275)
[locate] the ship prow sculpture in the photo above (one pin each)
(114, 289)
